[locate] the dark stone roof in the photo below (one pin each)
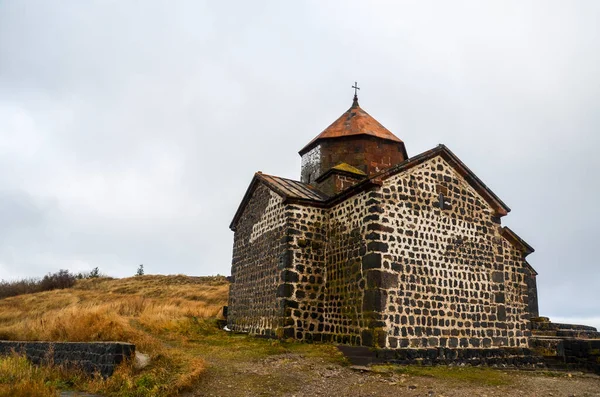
(289, 188)
(516, 240)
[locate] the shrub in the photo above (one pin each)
(94, 273)
(59, 280)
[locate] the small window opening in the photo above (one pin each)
(443, 202)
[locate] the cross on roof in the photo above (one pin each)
(356, 87)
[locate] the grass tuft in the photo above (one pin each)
(18, 377)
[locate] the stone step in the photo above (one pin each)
(548, 326)
(567, 333)
(578, 334)
(568, 352)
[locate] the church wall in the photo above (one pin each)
(311, 165)
(459, 283)
(258, 248)
(304, 272)
(393, 267)
(344, 320)
(330, 299)
(337, 182)
(369, 154)
(531, 281)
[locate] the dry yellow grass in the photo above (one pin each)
(149, 311)
(18, 377)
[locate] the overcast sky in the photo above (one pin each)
(129, 130)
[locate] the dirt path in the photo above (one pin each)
(298, 375)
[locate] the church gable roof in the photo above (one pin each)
(517, 241)
(441, 150)
(288, 189)
(355, 121)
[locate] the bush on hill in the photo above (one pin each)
(60, 280)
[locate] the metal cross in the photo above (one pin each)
(355, 86)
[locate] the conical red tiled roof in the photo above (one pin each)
(355, 121)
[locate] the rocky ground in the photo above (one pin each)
(300, 375)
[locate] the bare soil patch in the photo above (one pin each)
(304, 375)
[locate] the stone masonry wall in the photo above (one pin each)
(369, 154)
(335, 298)
(344, 312)
(335, 183)
(531, 281)
(303, 275)
(311, 165)
(448, 277)
(258, 249)
(101, 357)
(416, 263)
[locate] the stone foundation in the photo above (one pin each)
(504, 357)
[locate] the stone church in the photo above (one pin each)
(375, 248)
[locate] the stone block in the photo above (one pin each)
(367, 337)
(286, 260)
(498, 277)
(381, 279)
(285, 290)
(371, 261)
(501, 313)
(289, 276)
(377, 246)
(374, 300)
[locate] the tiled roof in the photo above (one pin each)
(355, 121)
(292, 189)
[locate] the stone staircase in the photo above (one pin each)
(543, 327)
(566, 346)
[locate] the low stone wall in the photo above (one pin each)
(504, 357)
(91, 357)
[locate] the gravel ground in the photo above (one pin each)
(300, 376)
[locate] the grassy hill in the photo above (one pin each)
(172, 318)
(156, 313)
